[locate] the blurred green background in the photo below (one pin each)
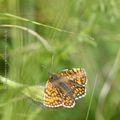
(41, 36)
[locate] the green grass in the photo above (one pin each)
(38, 37)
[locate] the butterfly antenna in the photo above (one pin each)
(91, 97)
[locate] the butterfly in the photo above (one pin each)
(63, 88)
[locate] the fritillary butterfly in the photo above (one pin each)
(63, 88)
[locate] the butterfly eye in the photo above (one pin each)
(52, 77)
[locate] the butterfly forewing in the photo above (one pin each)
(52, 96)
(76, 74)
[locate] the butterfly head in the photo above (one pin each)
(53, 77)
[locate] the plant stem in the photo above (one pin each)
(36, 93)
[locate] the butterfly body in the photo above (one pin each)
(63, 88)
(59, 82)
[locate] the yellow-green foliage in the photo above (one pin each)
(42, 36)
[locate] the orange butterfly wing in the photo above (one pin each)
(77, 75)
(52, 96)
(76, 80)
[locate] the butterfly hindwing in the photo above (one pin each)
(68, 101)
(78, 90)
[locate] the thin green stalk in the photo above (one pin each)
(36, 23)
(9, 83)
(34, 92)
(107, 87)
(35, 34)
